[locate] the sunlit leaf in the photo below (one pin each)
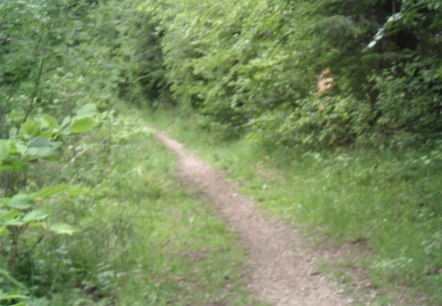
(42, 147)
(49, 121)
(35, 215)
(20, 201)
(51, 190)
(87, 110)
(14, 222)
(30, 128)
(82, 125)
(66, 121)
(62, 228)
(57, 189)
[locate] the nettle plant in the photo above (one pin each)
(21, 208)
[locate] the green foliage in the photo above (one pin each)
(20, 211)
(253, 67)
(238, 64)
(63, 65)
(139, 238)
(228, 67)
(43, 77)
(409, 99)
(384, 203)
(332, 121)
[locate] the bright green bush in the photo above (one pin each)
(331, 121)
(235, 63)
(50, 67)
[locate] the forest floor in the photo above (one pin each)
(283, 266)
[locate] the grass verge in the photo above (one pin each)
(141, 239)
(387, 202)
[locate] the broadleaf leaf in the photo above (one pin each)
(81, 125)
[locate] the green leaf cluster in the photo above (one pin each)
(38, 139)
(237, 63)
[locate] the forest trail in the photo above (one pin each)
(282, 266)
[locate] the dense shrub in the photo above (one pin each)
(60, 63)
(238, 63)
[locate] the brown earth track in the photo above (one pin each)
(283, 266)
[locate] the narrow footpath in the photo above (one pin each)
(283, 270)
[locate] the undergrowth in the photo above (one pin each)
(140, 240)
(386, 200)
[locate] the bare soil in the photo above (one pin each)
(283, 265)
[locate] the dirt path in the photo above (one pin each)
(283, 268)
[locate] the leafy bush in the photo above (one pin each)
(235, 63)
(409, 99)
(50, 67)
(316, 122)
(23, 216)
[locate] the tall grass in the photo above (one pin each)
(387, 200)
(141, 239)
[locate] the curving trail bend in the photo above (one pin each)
(282, 266)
